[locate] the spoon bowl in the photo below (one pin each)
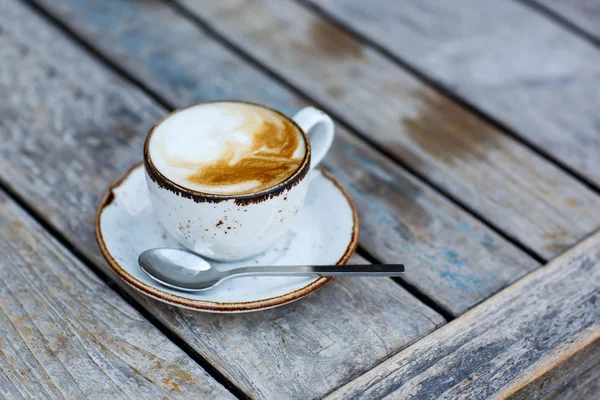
(179, 269)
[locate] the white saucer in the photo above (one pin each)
(325, 233)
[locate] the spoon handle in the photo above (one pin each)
(324, 270)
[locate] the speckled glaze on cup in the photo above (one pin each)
(231, 227)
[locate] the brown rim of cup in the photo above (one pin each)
(240, 199)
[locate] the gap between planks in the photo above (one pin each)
(542, 373)
(560, 20)
(447, 92)
(172, 336)
(58, 339)
(423, 298)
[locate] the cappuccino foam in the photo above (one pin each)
(226, 148)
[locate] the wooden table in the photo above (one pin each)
(468, 133)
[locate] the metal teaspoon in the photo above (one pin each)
(185, 271)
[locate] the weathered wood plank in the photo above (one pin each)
(66, 334)
(540, 331)
(455, 259)
(527, 197)
(510, 61)
(70, 126)
(585, 386)
(585, 14)
(566, 374)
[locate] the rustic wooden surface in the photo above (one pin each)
(510, 341)
(71, 127)
(569, 373)
(72, 120)
(584, 386)
(515, 64)
(456, 260)
(584, 14)
(66, 334)
(526, 196)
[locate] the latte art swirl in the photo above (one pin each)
(227, 148)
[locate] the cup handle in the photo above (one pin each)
(319, 129)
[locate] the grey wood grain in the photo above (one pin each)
(512, 62)
(453, 258)
(526, 196)
(584, 14)
(537, 332)
(570, 373)
(66, 334)
(585, 386)
(69, 127)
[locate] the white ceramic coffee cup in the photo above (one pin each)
(231, 227)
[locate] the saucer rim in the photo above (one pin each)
(212, 306)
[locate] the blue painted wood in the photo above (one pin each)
(451, 256)
(527, 342)
(170, 54)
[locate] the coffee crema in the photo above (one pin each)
(227, 148)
